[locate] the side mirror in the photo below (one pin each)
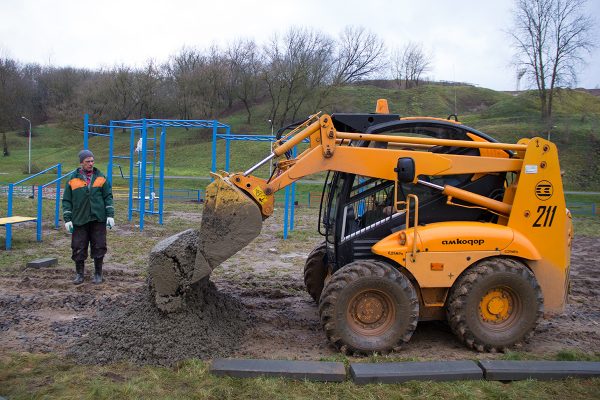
(405, 170)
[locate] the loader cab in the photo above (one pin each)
(358, 211)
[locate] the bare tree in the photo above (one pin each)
(93, 98)
(245, 65)
(121, 92)
(145, 88)
(213, 85)
(408, 64)
(297, 67)
(359, 55)
(181, 70)
(17, 92)
(550, 38)
(57, 90)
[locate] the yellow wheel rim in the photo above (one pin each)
(496, 306)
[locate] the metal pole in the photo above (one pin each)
(29, 167)
(40, 204)
(131, 173)
(142, 179)
(285, 212)
(86, 128)
(151, 193)
(9, 214)
(227, 145)
(271, 147)
(213, 165)
(111, 146)
(57, 197)
(293, 202)
(161, 173)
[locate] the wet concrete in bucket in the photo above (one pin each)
(230, 221)
(212, 325)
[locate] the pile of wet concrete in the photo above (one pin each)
(179, 315)
(211, 325)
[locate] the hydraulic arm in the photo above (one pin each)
(236, 202)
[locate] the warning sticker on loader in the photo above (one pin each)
(260, 195)
(531, 169)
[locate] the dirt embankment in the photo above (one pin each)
(253, 309)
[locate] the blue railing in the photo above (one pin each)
(40, 201)
(582, 208)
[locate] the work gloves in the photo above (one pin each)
(110, 222)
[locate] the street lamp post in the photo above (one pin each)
(29, 152)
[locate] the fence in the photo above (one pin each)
(19, 191)
(197, 195)
(580, 208)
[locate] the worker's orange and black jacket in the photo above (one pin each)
(82, 203)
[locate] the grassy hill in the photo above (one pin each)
(575, 129)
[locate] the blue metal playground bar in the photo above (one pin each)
(9, 207)
(290, 191)
(40, 203)
(145, 178)
(142, 126)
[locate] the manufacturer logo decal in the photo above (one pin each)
(544, 190)
(472, 242)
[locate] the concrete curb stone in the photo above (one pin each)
(399, 372)
(42, 263)
(363, 373)
(301, 370)
(499, 370)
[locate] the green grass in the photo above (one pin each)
(27, 376)
(564, 355)
(506, 117)
(587, 226)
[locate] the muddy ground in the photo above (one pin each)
(257, 307)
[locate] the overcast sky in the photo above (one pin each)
(466, 38)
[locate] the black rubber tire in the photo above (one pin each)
(315, 271)
(350, 300)
(524, 302)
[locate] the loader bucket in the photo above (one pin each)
(230, 221)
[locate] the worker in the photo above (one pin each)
(87, 211)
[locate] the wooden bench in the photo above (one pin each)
(4, 221)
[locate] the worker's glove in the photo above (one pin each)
(110, 222)
(69, 226)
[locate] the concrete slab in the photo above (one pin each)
(363, 373)
(301, 370)
(42, 262)
(498, 370)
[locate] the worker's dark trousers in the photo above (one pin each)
(93, 234)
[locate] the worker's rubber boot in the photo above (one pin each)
(98, 270)
(79, 266)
